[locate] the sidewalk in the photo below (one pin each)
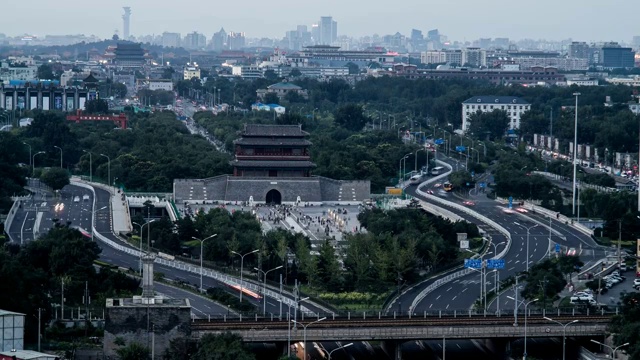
(121, 221)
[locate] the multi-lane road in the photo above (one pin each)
(461, 293)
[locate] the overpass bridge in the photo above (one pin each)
(405, 329)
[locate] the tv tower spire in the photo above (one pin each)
(126, 20)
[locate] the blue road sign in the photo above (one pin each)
(557, 248)
(483, 184)
(439, 141)
(510, 202)
(495, 264)
(473, 173)
(473, 263)
(461, 148)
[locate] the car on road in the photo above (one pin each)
(85, 197)
(581, 297)
(522, 210)
(469, 203)
(636, 282)
(572, 252)
(430, 192)
(437, 185)
(76, 199)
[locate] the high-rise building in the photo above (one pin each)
(617, 57)
(219, 40)
(171, 39)
(195, 40)
(126, 21)
(578, 50)
(236, 40)
(328, 31)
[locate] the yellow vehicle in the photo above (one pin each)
(447, 186)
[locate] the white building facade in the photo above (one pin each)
(513, 106)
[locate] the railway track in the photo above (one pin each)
(200, 325)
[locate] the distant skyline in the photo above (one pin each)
(466, 20)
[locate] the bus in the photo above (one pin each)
(415, 179)
(437, 170)
(447, 186)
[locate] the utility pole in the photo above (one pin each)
(575, 154)
(39, 325)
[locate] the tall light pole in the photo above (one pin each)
(526, 304)
(29, 155)
(148, 235)
(304, 334)
(242, 266)
(34, 161)
(401, 175)
(528, 229)
(341, 347)
(404, 165)
(108, 169)
(483, 293)
(59, 148)
(202, 254)
(93, 212)
(264, 287)
(90, 165)
(613, 350)
(415, 166)
(575, 154)
(564, 334)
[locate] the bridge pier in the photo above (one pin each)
(498, 346)
(393, 349)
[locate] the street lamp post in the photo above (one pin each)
(264, 287)
(148, 235)
(34, 161)
(304, 334)
(29, 155)
(59, 148)
(202, 254)
(108, 169)
(415, 166)
(90, 165)
(575, 153)
(613, 350)
(401, 177)
(242, 266)
(338, 348)
(93, 212)
(564, 333)
(483, 295)
(526, 304)
(528, 230)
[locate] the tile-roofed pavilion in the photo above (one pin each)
(272, 151)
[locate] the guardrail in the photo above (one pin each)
(467, 211)
(588, 186)
(223, 278)
(550, 213)
(17, 200)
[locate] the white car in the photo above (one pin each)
(581, 297)
(76, 199)
(85, 197)
(636, 282)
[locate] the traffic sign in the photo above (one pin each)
(464, 244)
(473, 263)
(461, 148)
(482, 184)
(510, 202)
(462, 236)
(473, 173)
(557, 248)
(495, 264)
(439, 141)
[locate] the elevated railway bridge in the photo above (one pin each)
(496, 331)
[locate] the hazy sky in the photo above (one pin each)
(585, 20)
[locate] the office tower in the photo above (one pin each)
(126, 20)
(170, 39)
(195, 40)
(219, 40)
(328, 30)
(236, 40)
(579, 50)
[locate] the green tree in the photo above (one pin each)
(225, 346)
(460, 179)
(627, 324)
(45, 72)
(119, 90)
(133, 351)
(351, 117)
(56, 178)
(12, 153)
(97, 106)
(271, 98)
(295, 73)
(328, 268)
(491, 125)
(181, 348)
(353, 68)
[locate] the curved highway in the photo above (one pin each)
(461, 293)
